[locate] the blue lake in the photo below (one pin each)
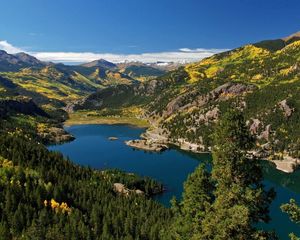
(92, 148)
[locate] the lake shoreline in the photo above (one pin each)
(79, 118)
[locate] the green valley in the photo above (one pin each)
(240, 105)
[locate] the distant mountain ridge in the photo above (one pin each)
(100, 63)
(14, 62)
(64, 83)
(277, 44)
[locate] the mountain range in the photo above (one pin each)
(63, 83)
(261, 79)
(183, 103)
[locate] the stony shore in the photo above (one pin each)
(146, 145)
(56, 135)
(287, 165)
(155, 140)
(155, 135)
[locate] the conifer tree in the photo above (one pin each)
(230, 202)
(293, 210)
(240, 198)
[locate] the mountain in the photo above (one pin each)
(277, 44)
(292, 38)
(63, 83)
(136, 70)
(57, 82)
(184, 105)
(14, 62)
(140, 71)
(100, 63)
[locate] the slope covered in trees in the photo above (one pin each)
(187, 103)
(44, 196)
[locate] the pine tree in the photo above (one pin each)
(293, 210)
(229, 203)
(240, 198)
(191, 211)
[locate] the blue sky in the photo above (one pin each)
(122, 27)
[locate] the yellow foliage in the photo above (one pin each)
(286, 71)
(248, 52)
(257, 77)
(63, 207)
(6, 163)
(54, 204)
(213, 71)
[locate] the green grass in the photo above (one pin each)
(90, 117)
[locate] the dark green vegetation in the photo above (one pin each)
(230, 201)
(293, 210)
(44, 196)
(22, 116)
(186, 103)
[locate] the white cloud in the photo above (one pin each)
(4, 45)
(202, 50)
(181, 55)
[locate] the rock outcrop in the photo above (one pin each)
(287, 110)
(147, 145)
(221, 93)
(122, 189)
(55, 135)
(254, 127)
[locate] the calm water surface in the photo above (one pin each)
(92, 148)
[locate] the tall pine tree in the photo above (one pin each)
(230, 202)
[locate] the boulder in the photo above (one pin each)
(287, 110)
(254, 127)
(266, 133)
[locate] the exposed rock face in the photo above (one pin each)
(150, 87)
(220, 93)
(121, 189)
(287, 110)
(266, 133)
(147, 145)
(254, 127)
(56, 135)
(212, 114)
(230, 89)
(174, 105)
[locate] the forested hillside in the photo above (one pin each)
(44, 196)
(261, 79)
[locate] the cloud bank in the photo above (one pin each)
(7, 47)
(182, 55)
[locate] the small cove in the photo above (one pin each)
(93, 148)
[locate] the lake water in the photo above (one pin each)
(92, 148)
